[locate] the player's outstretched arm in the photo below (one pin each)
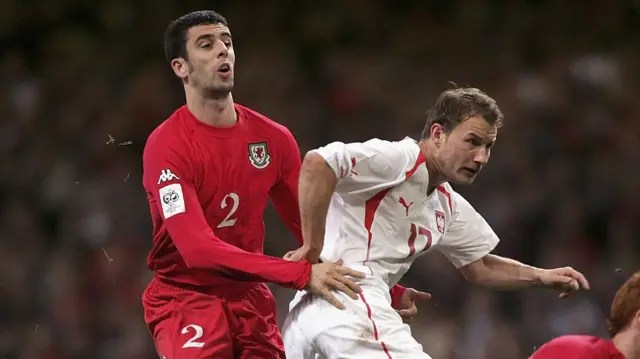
(284, 193)
(496, 271)
(468, 242)
(169, 183)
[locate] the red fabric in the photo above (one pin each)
(233, 322)
(578, 347)
(218, 239)
(396, 295)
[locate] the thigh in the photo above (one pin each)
(256, 325)
(296, 332)
(368, 328)
(189, 325)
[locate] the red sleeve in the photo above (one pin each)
(396, 294)
(169, 179)
(285, 193)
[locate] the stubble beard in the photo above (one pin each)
(218, 91)
(209, 88)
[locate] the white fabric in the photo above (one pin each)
(369, 328)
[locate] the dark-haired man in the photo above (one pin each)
(209, 171)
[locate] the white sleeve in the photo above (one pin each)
(371, 165)
(468, 237)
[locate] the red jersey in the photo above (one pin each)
(578, 347)
(208, 188)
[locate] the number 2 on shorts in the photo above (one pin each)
(192, 343)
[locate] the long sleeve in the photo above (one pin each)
(284, 194)
(396, 295)
(169, 182)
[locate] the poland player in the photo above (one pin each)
(379, 205)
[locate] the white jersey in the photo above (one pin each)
(381, 217)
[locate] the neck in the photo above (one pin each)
(214, 111)
(436, 177)
(627, 343)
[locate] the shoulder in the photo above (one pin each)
(405, 152)
(263, 123)
(576, 340)
(574, 343)
(168, 135)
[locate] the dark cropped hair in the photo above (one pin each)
(175, 37)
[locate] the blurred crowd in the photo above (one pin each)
(84, 83)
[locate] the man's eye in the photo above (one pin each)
(474, 142)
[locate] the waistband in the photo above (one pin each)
(159, 284)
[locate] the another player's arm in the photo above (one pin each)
(338, 166)
(468, 243)
(506, 273)
(284, 193)
(317, 184)
(496, 271)
(345, 168)
(190, 232)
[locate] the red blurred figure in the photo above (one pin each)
(624, 327)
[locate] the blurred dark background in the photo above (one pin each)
(84, 83)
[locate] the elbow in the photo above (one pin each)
(312, 160)
(190, 262)
(192, 258)
(471, 277)
(475, 272)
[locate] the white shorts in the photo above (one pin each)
(367, 328)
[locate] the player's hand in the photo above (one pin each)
(326, 277)
(303, 253)
(566, 280)
(407, 307)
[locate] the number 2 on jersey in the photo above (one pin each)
(192, 343)
(228, 221)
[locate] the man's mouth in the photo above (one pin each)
(471, 171)
(224, 68)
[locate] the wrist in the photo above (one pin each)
(538, 276)
(305, 275)
(396, 293)
(312, 252)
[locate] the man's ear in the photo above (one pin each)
(437, 134)
(180, 67)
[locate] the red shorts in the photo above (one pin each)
(225, 323)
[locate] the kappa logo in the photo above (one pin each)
(440, 221)
(166, 175)
(259, 156)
